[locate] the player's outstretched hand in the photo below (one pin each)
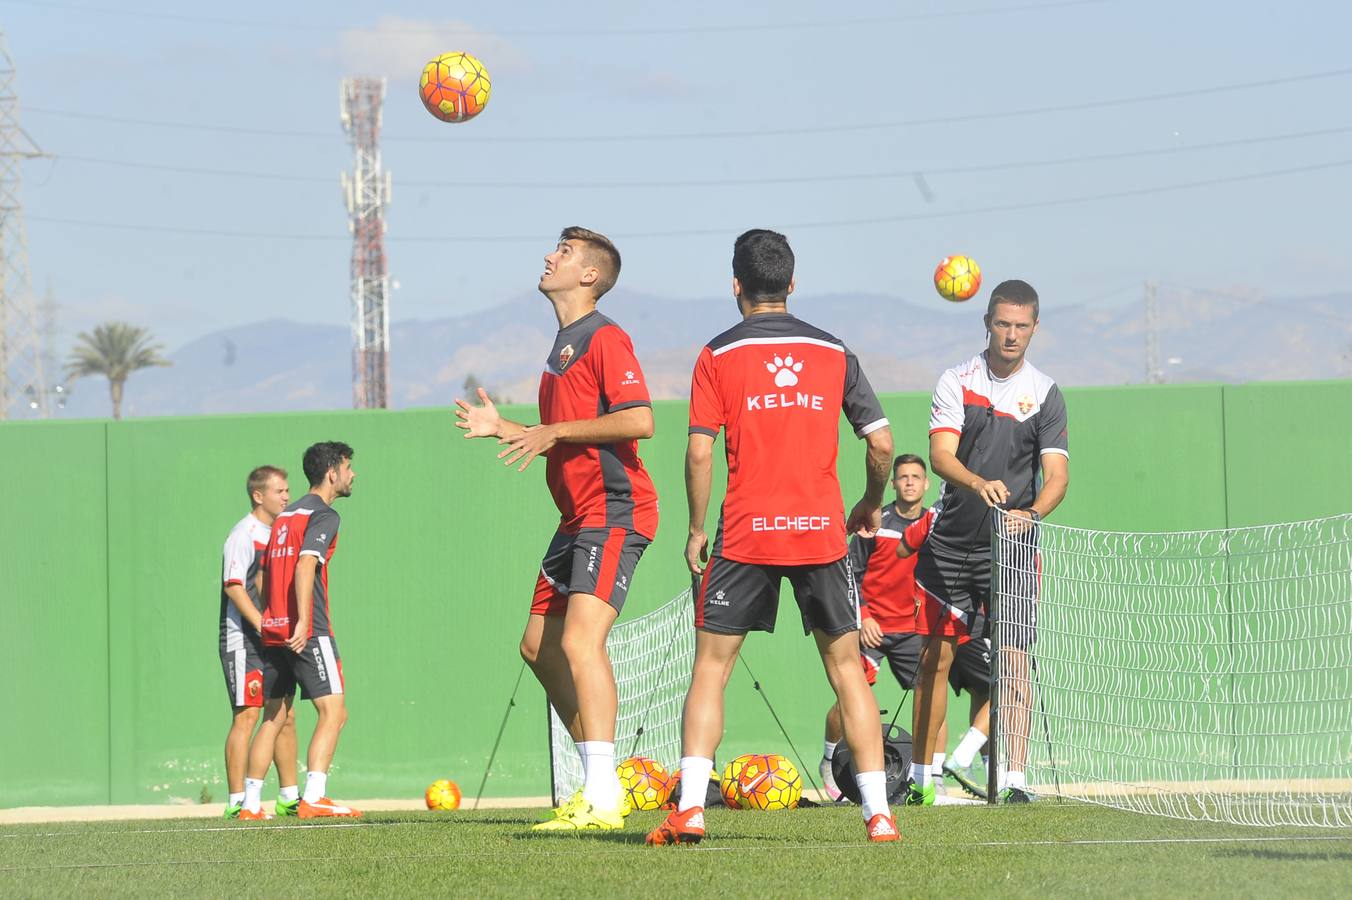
(300, 637)
(865, 519)
(870, 633)
(533, 441)
(697, 552)
(993, 492)
(478, 421)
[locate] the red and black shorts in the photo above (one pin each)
(901, 650)
(246, 678)
(737, 597)
(955, 597)
(971, 669)
(596, 561)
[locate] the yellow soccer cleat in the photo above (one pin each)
(565, 808)
(585, 817)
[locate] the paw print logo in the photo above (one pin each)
(785, 371)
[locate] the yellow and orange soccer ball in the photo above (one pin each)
(769, 781)
(957, 278)
(455, 87)
(443, 794)
(646, 783)
(727, 785)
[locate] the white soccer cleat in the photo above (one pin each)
(828, 779)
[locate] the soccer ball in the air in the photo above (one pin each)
(455, 87)
(957, 278)
(769, 781)
(727, 785)
(443, 794)
(646, 784)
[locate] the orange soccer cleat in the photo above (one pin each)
(883, 828)
(260, 816)
(678, 828)
(324, 808)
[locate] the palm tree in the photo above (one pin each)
(114, 350)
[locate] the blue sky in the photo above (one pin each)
(651, 126)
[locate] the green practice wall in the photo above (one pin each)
(111, 536)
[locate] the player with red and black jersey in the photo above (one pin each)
(886, 597)
(241, 644)
(594, 409)
(776, 387)
(298, 642)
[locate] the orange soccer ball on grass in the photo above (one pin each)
(727, 785)
(646, 783)
(455, 87)
(443, 794)
(769, 781)
(957, 278)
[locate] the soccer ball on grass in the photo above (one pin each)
(645, 782)
(443, 794)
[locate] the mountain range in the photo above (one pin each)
(283, 365)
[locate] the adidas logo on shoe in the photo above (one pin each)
(696, 821)
(882, 828)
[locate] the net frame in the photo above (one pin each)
(652, 656)
(1198, 675)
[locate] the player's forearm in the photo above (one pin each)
(247, 611)
(633, 424)
(877, 464)
(509, 430)
(1052, 493)
(945, 464)
(305, 586)
(699, 476)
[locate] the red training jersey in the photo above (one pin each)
(308, 527)
(886, 583)
(777, 386)
(592, 371)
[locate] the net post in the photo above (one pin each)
(549, 738)
(993, 627)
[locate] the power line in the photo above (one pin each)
(840, 23)
(700, 232)
(733, 182)
(946, 119)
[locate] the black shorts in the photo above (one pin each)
(953, 590)
(318, 669)
(971, 669)
(902, 652)
(596, 561)
(736, 597)
(243, 669)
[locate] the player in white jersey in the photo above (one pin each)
(241, 653)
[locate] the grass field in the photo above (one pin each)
(1035, 851)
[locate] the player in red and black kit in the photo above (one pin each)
(886, 598)
(776, 386)
(594, 409)
(298, 642)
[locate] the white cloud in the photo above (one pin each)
(396, 46)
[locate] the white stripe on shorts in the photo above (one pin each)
(237, 663)
(335, 675)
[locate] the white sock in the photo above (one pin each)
(937, 766)
(920, 775)
(695, 773)
(600, 784)
(316, 785)
(829, 749)
(1016, 780)
(253, 794)
(288, 794)
(971, 742)
(236, 798)
(873, 792)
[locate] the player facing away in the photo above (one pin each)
(996, 423)
(298, 641)
(776, 386)
(886, 598)
(242, 645)
(594, 409)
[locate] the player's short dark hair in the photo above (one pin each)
(321, 457)
(762, 262)
(1019, 293)
(258, 479)
(908, 459)
(600, 253)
